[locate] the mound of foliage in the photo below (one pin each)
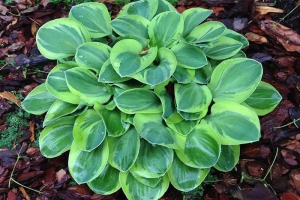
(147, 99)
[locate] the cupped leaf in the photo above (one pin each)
(107, 182)
(92, 55)
(53, 34)
(223, 48)
(109, 75)
(56, 84)
(94, 16)
(127, 61)
(113, 120)
(156, 74)
(153, 161)
(229, 158)
(202, 147)
(59, 109)
(146, 9)
(151, 128)
(193, 116)
(164, 6)
(165, 29)
(85, 166)
(184, 127)
(151, 182)
(122, 155)
(84, 83)
(135, 190)
(234, 123)
(192, 98)
(206, 32)
(184, 75)
(185, 178)
(57, 138)
(89, 130)
(193, 17)
(264, 99)
(38, 101)
(235, 79)
(237, 36)
(145, 101)
(189, 56)
(202, 75)
(131, 25)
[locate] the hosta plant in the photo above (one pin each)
(149, 98)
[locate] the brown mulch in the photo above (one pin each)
(22, 68)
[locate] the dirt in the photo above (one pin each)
(268, 169)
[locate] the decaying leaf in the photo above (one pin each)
(11, 97)
(289, 39)
(253, 37)
(266, 9)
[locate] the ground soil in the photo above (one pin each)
(268, 169)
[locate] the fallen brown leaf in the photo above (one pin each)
(253, 37)
(288, 38)
(11, 97)
(266, 9)
(31, 128)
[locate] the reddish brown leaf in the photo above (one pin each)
(289, 196)
(82, 191)
(49, 177)
(256, 151)
(289, 39)
(12, 194)
(295, 179)
(259, 192)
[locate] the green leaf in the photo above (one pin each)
(122, 155)
(89, 130)
(107, 182)
(131, 25)
(185, 178)
(165, 28)
(151, 128)
(156, 74)
(234, 123)
(94, 16)
(145, 101)
(164, 6)
(235, 79)
(146, 9)
(85, 166)
(222, 48)
(135, 190)
(229, 158)
(206, 32)
(59, 109)
(264, 99)
(57, 138)
(109, 75)
(193, 17)
(92, 55)
(130, 61)
(113, 120)
(183, 127)
(56, 84)
(53, 34)
(193, 116)
(38, 101)
(84, 83)
(202, 147)
(189, 56)
(202, 75)
(152, 161)
(151, 182)
(237, 36)
(184, 75)
(192, 98)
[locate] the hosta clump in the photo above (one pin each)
(148, 98)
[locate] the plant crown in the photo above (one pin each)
(148, 98)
